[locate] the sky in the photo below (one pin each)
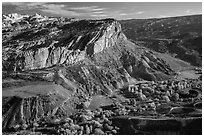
(96, 10)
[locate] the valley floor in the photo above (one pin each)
(164, 107)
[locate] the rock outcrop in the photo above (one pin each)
(72, 59)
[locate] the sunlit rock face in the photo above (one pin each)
(57, 41)
(56, 63)
(66, 44)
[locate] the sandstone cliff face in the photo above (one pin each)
(47, 48)
(79, 58)
(55, 43)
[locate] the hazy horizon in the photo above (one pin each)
(98, 10)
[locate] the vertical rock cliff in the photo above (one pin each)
(52, 65)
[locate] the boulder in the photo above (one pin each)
(98, 131)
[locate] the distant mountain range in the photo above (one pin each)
(179, 36)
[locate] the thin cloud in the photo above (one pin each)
(100, 15)
(98, 9)
(98, 12)
(26, 5)
(64, 10)
(53, 6)
(139, 12)
(123, 14)
(118, 14)
(59, 10)
(83, 8)
(72, 11)
(88, 8)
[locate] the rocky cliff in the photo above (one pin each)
(53, 66)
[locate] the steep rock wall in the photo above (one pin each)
(49, 52)
(84, 58)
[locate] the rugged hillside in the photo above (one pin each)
(53, 67)
(179, 36)
(50, 42)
